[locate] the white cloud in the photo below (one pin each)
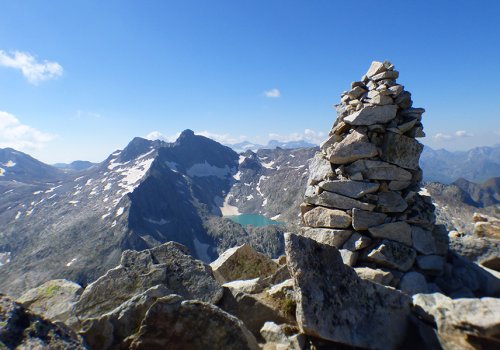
(308, 135)
(156, 135)
(442, 137)
(19, 136)
(222, 138)
(447, 137)
(83, 114)
(273, 93)
(32, 70)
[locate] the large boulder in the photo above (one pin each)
(334, 304)
(327, 218)
(190, 325)
(468, 324)
(242, 263)
(111, 329)
(353, 147)
(21, 329)
(53, 300)
(169, 265)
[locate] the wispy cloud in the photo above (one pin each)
(222, 138)
(84, 114)
(273, 93)
(20, 136)
(447, 137)
(32, 70)
(156, 135)
(308, 135)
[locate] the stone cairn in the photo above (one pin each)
(363, 190)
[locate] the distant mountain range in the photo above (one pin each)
(77, 165)
(272, 144)
(478, 164)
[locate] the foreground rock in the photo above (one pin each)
(486, 226)
(111, 329)
(21, 329)
(462, 323)
(53, 300)
(333, 303)
(169, 265)
(242, 263)
(190, 325)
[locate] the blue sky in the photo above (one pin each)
(90, 75)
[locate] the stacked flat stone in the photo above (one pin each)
(363, 190)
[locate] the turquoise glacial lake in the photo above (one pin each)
(255, 220)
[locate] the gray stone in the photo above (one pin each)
(334, 304)
(252, 286)
(431, 263)
(337, 201)
(392, 254)
(281, 290)
(353, 189)
(357, 242)
(375, 68)
(401, 150)
(256, 309)
(21, 329)
(372, 115)
(407, 126)
(462, 323)
(391, 202)
(169, 264)
(320, 169)
(390, 74)
(242, 263)
(396, 90)
(328, 218)
(363, 220)
(398, 185)
(377, 170)
(277, 339)
(398, 231)
(423, 240)
(331, 237)
(413, 283)
(53, 300)
(377, 98)
(329, 143)
(356, 92)
(353, 147)
(348, 257)
(111, 329)
(374, 275)
(404, 100)
(191, 324)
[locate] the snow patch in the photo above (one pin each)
(10, 164)
(157, 222)
(108, 186)
(228, 209)
(241, 159)
(5, 258)
(74, 202)
(71, 262)
(37, 192)
(18, 215)
(264, 203)
(237, 176)
(50, 190)
(276, 217)
(202, 250)
(105, 216)
(132, 176)
(119, 211)
(268, 165)
(173, 166)
(2, 172)
(206, 169)
(249, 197)
(423, 192)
